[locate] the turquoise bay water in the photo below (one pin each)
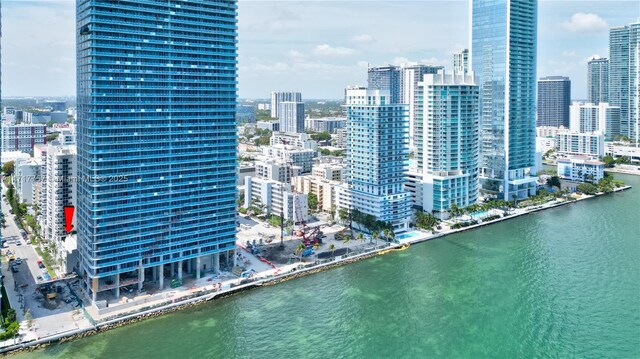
(562, 283)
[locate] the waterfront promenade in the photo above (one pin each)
(206, 290)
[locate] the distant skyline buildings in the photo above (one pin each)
(291, 116)
(598, 80)
(461, 61)
(554, 99)
(387, 78)
(278, 97)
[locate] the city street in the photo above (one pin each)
(49, 317)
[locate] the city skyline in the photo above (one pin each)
(294, 46)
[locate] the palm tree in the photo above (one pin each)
(332, 248)
(385, 233)
(375, 236)
(393, 235)
(346, 239)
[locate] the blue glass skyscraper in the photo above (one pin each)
(503, 56)
(156, 140)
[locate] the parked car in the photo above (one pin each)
(14, 269)
(39, 278)
(18, 261)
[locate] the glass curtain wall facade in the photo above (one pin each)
(598, 78)
(503, 56)
(156, 139)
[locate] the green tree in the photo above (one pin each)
(332, 248)
(312, 201)
(554, 181)
(609, 161)
(587, 188)
(52, 136)
(375, 236)
(7, 168)
(321, 136)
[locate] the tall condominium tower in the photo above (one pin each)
(624, 77)
(447, 145)
(554, 99)
(377, 149)
(619, 74)
(386, 78)
(279, 97)
(598, 81)
(156, 140)
(291, 115)
(589, 117)
(411, 75)
(461, 61)
(503, 57)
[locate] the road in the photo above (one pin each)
(28, 270)
(48, 320)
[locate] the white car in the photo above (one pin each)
(266, 225)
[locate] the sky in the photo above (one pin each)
(318, 47)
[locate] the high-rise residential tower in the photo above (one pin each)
(624, 77)
(619, 73)
(447, 145)
(291, 115)
(377, 148)
(386, 78)
(598, 81)
(411, 75)
(503, 57)
(156, 140)
(461, 61)
(554, 99)
(279, 97)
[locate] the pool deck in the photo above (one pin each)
(273, 276)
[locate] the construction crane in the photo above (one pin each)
(309, 235)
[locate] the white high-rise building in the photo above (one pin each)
(461, 61)
(60, 190)
(587, 117)
(447, 146)
(279, 97)
(580, 143)
(377, 150)
(26, 175)
(291, 116)
(411, 75)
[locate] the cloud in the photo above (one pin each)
(330, 51)
(585, 23)
(570, 53)
(361, 39)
